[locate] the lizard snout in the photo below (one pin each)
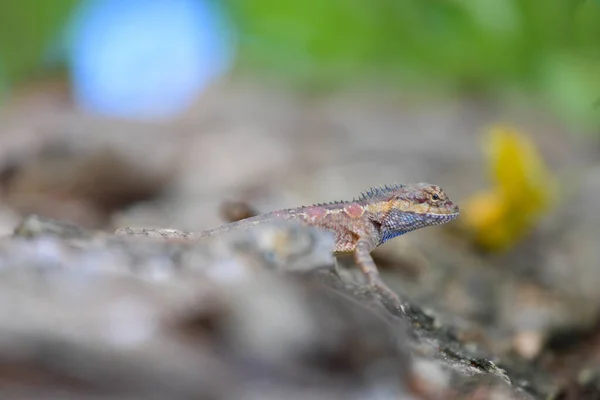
(453, 207)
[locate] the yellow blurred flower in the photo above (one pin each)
(523, 190)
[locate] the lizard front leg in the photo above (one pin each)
(362, 256)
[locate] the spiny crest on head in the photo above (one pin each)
(378, 192)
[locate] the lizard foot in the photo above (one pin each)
(389, 296)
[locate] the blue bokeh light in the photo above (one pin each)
(146, 58)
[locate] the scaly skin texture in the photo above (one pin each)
(360, 225)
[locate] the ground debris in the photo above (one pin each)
(84, 186)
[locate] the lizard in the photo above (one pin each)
(359, 226)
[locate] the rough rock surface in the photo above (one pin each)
(255, 314)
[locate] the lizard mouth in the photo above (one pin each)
(443, 218)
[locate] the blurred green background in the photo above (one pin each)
(543, 49)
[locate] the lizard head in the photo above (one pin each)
(404, 208)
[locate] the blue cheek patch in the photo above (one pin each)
(387, 235)
(400, 223)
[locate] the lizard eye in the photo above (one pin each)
(435, 196)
